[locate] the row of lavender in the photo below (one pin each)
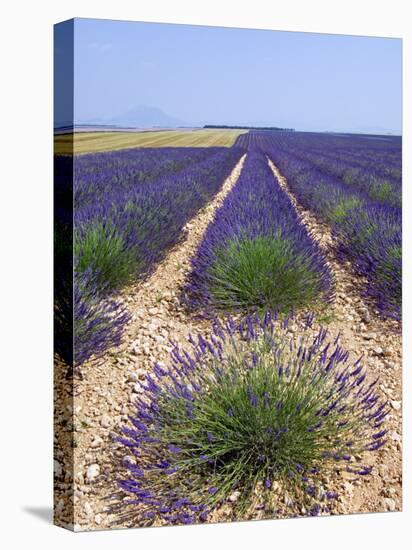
(386, 164)
(384, 188)
(124, 222)
(369, 231)
(99, 175)
(256, 254)
(385, 152)
(377, 171)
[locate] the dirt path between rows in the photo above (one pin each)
(104, 398)
(363, 332)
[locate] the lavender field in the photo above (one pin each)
(227, 275)
(232, 328)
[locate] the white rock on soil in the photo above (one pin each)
(97, 441)
(141, 374)
(105, 421)
(88, 509)
(98, 519)
(390, 504)
(92, 472)
(365, 315)
(132, 377)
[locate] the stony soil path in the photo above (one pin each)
(363, 332)
(105, 396)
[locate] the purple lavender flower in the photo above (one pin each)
(174, 448)
(230, 440)
(364, 471)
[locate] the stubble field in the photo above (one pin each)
(93, 142)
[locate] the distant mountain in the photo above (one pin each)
(92, 122)
(144, 116)
(141, 116)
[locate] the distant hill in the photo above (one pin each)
(141, 116)
(144, 116)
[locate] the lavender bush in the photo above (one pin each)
(251, 412)
(256, 254)
(98, 318)
(372, 238)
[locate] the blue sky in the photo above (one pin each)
(237, 76)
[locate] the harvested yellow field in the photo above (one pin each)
(93, 142)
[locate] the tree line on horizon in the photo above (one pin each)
(238, 127)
